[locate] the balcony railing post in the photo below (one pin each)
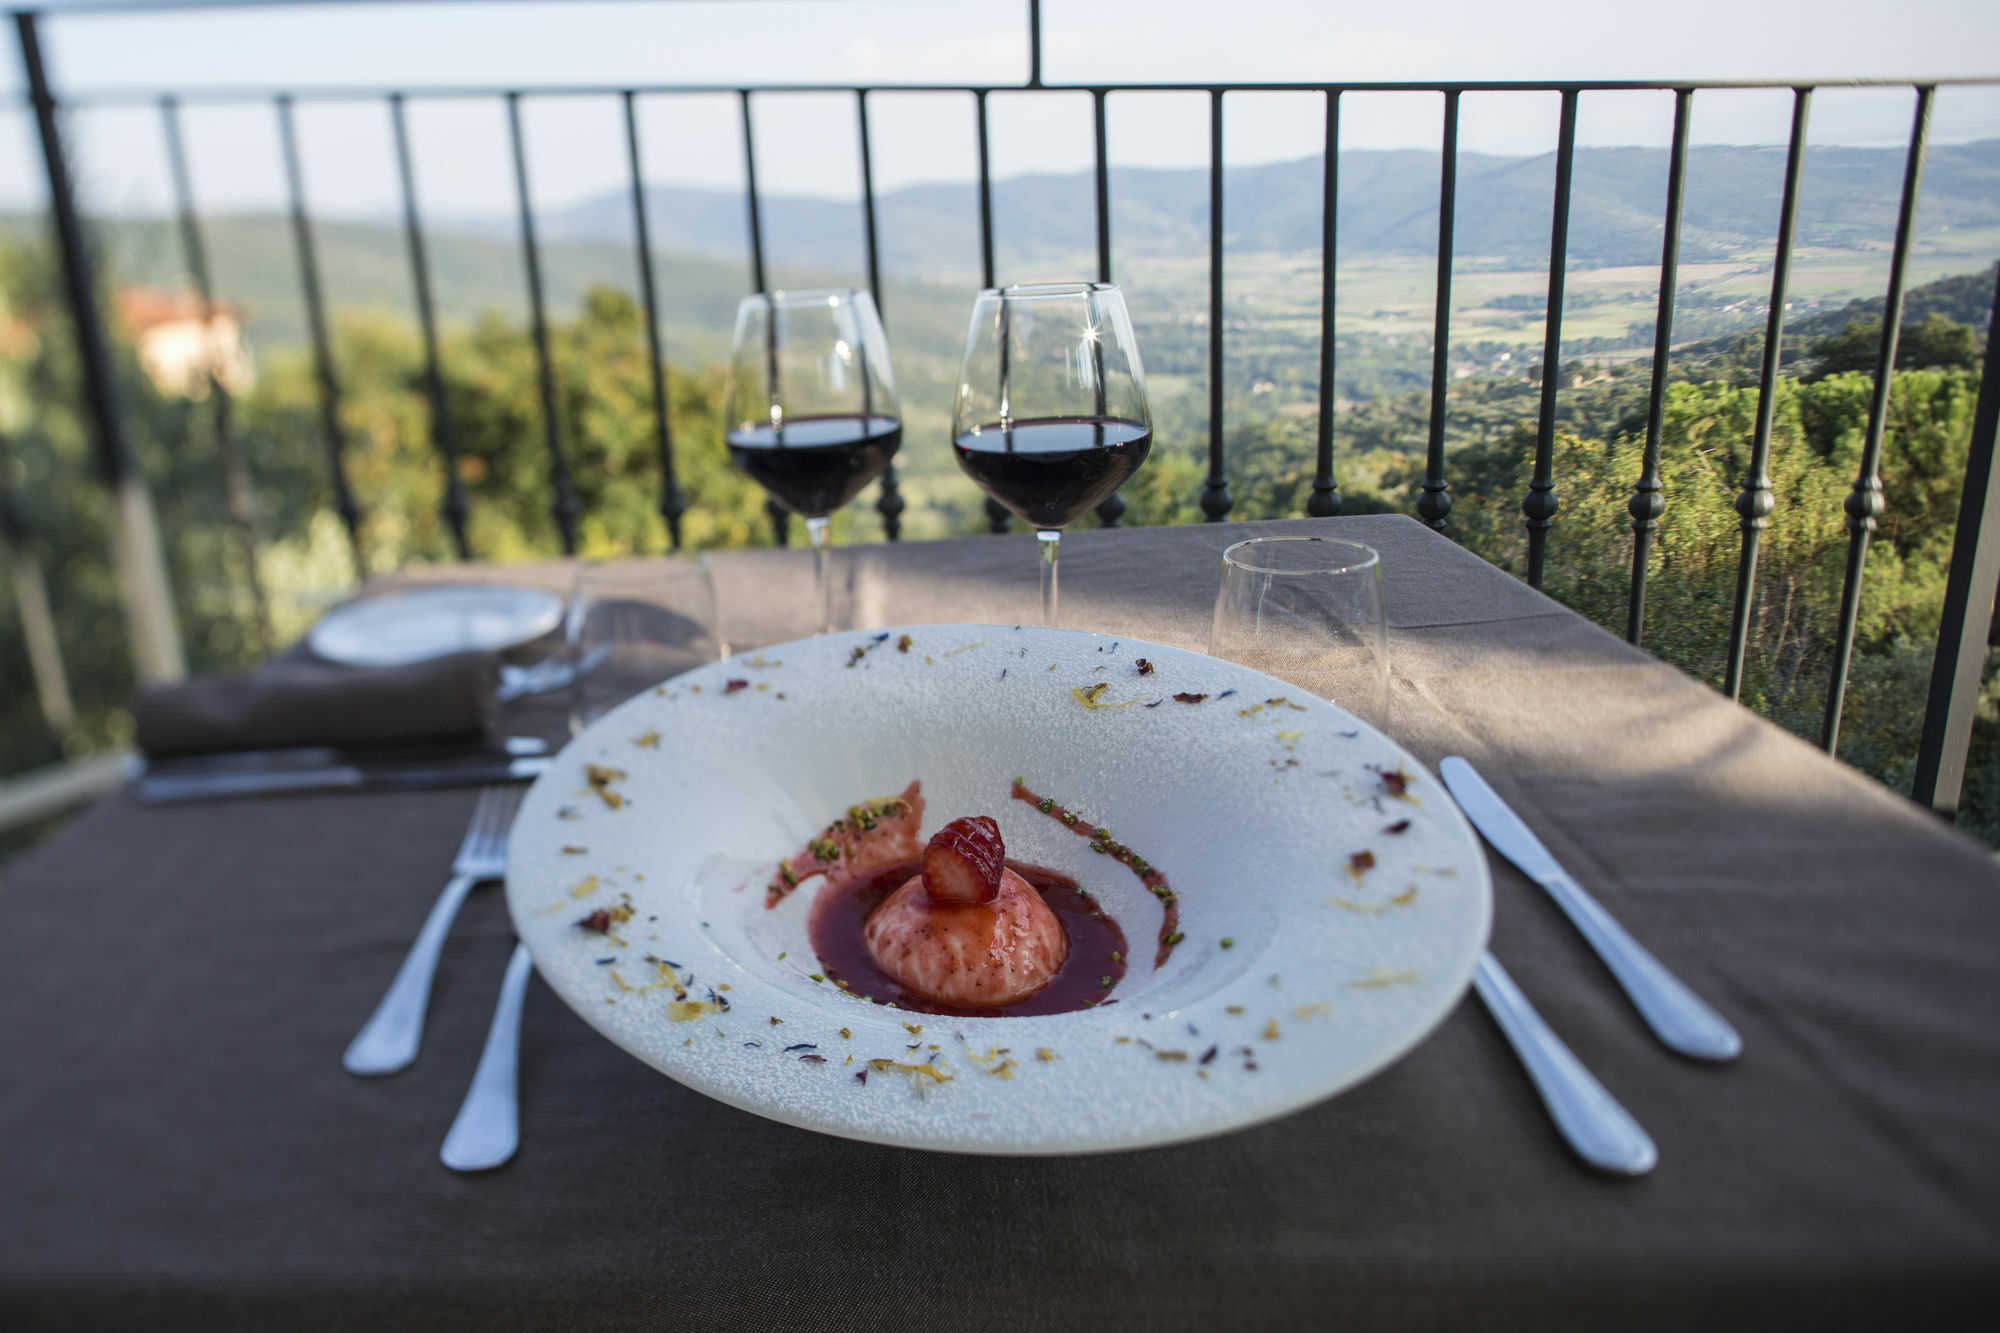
(1755, 504)
(1435, 502)
(444, 435)
(1864, 503)
(672, 505)
(1648, 502)
(889, 503)
(564, 505)
(136, 555)
(998, 519)
(781, 518)
(239, 491)
(1538, 506)
(331, 433)
(1324, 502)
(1959, 662)
(1216, 502)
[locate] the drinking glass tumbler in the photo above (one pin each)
(634, 623)
(1308, 610)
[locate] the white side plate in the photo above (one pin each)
(417, 624)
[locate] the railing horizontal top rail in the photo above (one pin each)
(111, 96)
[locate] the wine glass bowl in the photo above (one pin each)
(1050, 416)
(811, 411)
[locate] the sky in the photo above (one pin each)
(806, 142)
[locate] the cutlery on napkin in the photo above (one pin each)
(1682, 1020)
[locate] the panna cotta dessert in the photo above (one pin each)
(966, 930)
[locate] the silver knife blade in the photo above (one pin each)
(156, 789)
(1494, 818)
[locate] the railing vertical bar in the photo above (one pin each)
(1648, 501)
(998, 519)
(1035, 48)
(1864, 503)
(1110, 510)
(781, 518)
(1435, 502)
(1324, 502)
(1216, 501)
(1959, 662)
(136, 555)
(563, 505)
(444, 434)
(332, 437)
(239, 492)
(1539, 505)
(1754, 504)
(1103, 176)
(889, 503)
(672, 505)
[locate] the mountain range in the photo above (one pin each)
(1388, 204)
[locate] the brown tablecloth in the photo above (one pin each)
(179, 1147)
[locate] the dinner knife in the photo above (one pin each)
(165, 789)
(1679, 1018)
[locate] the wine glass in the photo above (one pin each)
(1051, 412)
(1308, 610)
(812, 413)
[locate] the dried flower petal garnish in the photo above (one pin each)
(732, 686)
(600, 779)
(1089, 697)
(1380, 977)
(682, 1011)
(1399, 826)
(1145, 667)
(903, 643)
(1395, 782)
(576, 851)
(604, 918)
(584, 887)
(649, 741)
(1360, 864)
(917, 1072)
(1190, 698)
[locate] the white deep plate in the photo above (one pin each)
(1252, 810)
(417, 624)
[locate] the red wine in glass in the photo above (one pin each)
(1052, 471)
(814, 465)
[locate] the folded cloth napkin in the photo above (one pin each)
(298, 702)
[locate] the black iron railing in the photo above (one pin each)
(1976, 557)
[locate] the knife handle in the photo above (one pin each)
(1601, 1132)
(1679, 1018)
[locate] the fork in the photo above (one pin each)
(389, 1040)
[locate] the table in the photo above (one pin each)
(179, 1147)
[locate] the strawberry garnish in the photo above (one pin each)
(964, 861)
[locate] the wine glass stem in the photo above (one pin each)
(816, 533)
(1049, 537)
